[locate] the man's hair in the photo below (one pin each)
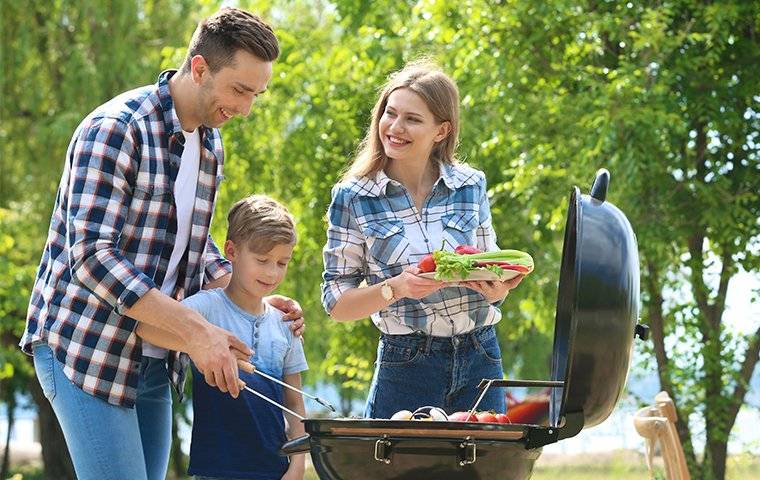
(261, 223)
(218, 37)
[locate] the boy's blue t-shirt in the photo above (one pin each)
(241, 438)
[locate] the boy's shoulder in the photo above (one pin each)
(205, 296)
(273, 318)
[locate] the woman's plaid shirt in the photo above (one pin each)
(111, 236)
(375, 231)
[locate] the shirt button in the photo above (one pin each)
(427, 241)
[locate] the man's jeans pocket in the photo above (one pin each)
(43, 366)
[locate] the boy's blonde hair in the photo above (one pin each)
(261, 223)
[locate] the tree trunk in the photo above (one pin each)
(178, 459)
(11, 403)
(55, 453)
(715, 458)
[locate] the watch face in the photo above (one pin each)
(387, 291)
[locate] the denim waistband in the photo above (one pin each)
(421, 340)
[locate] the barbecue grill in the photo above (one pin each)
(596, 321)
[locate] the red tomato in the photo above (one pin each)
(486, 417)
(466, 250)
(462, 417)
(427, 264)
(502, 418)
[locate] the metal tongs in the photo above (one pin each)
(251, 368)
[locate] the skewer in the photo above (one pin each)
(251, 368)
(264, 397)
(482, 394)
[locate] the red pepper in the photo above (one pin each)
(505, 266)
(517, 268)
(466, 250)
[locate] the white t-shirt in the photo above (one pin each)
(184, 197)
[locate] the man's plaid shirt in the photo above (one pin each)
(375, 231)
(111, 236)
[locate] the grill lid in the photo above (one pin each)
(597, 308)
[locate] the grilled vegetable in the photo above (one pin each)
(462, 417)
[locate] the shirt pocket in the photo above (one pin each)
(460, 228)
(386, 241)
(148, 217)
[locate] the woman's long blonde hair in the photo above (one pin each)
(441, 95)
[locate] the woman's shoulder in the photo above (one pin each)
(356, 186)
(463, 174)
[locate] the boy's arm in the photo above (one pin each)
(294, 401)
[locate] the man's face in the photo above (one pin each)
(231, 90)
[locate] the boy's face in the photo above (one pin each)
(258, 274)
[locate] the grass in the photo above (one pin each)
(615, 465)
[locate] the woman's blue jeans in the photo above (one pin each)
(107, 441)
(417, 370)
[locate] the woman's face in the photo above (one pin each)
(407, 128)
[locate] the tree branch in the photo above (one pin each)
(751, 357)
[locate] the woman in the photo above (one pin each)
(404, 196)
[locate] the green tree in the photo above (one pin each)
(58, 61)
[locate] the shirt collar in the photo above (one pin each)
(171, 120)
(450, 174)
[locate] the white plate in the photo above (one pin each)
(479, 274)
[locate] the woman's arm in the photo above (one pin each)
(359, 303)
(345, 268)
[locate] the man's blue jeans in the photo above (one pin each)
(416, 370)
(107, 441)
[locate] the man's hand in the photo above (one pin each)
(215, 353)
(292, 311)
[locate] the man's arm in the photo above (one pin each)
(213, 350)
(294, 401)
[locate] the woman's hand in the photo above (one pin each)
(493, 291)
(408, 285)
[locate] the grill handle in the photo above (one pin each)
(296, 446)
(601, 182)
(520, 383)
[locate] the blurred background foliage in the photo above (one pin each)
(664, 94)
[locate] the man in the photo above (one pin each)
(128, 239)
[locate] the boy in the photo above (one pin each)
(240, 438)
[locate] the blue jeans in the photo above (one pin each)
(416, 370)
(107, 441)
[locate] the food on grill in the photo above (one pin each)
(462, 417)
(402, 415)
(466, 260)
(486, 417)
(502, 418)
(434, 414)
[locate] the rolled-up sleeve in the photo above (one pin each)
(216, 265)
(486, 236)
(103, 159)
(344, 252)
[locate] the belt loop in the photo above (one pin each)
(428, 343)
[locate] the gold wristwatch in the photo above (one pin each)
(386, 291)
